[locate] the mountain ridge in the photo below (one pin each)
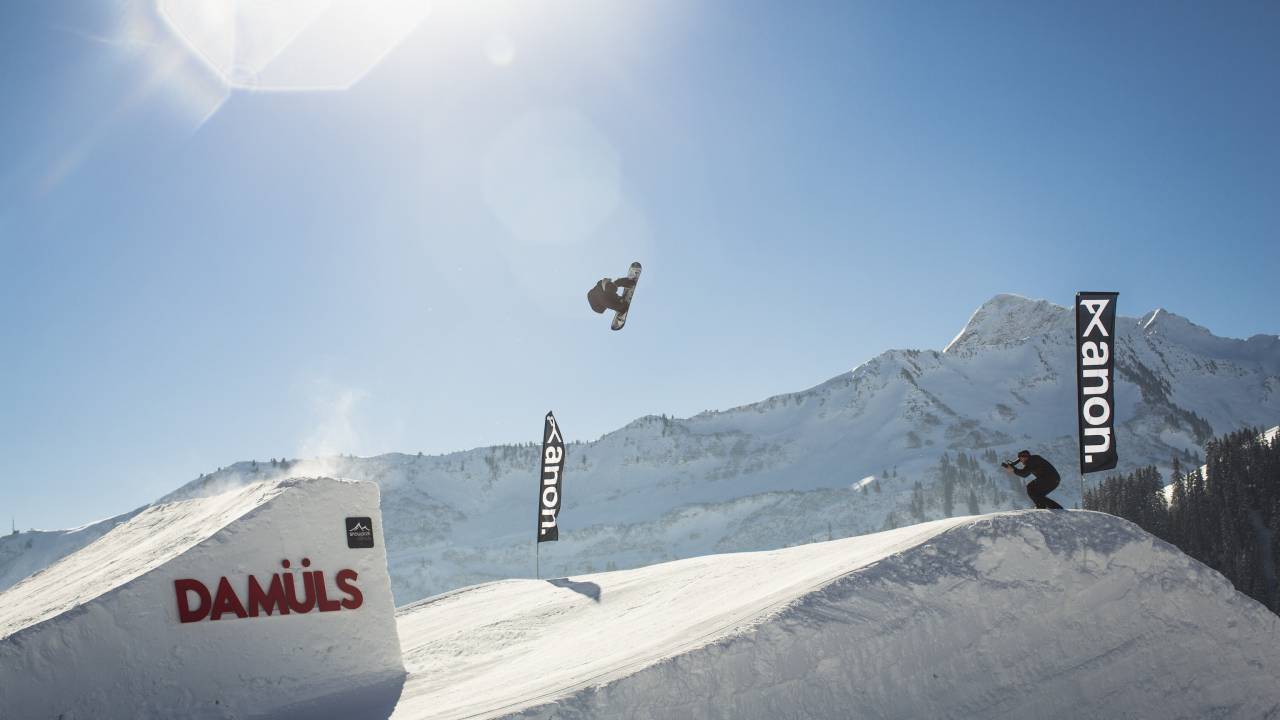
(790, 468)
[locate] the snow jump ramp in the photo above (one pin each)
(229, 606)
(1031, 614)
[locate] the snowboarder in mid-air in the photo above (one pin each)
(604, 295)
(1046, 481)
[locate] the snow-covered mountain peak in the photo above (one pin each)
(1171, 329)
(1006, 319)
(1163, 322)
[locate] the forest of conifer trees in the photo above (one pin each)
(1226, 514)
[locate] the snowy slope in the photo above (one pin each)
(102, 633)
(1015, 615)
(24, 553)
(153, 538)
(792, 468)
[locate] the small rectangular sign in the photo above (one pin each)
(359, 532)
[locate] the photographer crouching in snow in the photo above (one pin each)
(1046, 481)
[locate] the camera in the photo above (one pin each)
(1008, 464)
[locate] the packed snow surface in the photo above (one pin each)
(149, 540)
(119, 630)
(1015, 615)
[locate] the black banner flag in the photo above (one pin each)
(549, 480)
(1095, 371)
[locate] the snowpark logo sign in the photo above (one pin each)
(359, 532)
(549, 482)
(1095, 369)
(280, 595)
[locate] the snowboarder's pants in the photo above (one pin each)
(1038, 490)
(615, 302)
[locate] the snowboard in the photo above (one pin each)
(620, 319)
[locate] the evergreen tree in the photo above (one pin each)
(1226, 515)
(949, 493)
(891, 521)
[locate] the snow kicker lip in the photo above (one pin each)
(136, 624)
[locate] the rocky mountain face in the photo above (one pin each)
(908, 436)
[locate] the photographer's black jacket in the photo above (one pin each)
(1041, 468)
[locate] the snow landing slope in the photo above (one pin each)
(101, 633)
(1030, 614)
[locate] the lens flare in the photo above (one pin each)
(292, 44)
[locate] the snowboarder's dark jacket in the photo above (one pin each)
(604, 294)
(1041, 468)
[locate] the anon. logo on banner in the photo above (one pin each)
(359, 532)
(549, 484)
(1095, 373)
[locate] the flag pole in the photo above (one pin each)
(1084, 546)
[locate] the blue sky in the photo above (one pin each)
(192, 275)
